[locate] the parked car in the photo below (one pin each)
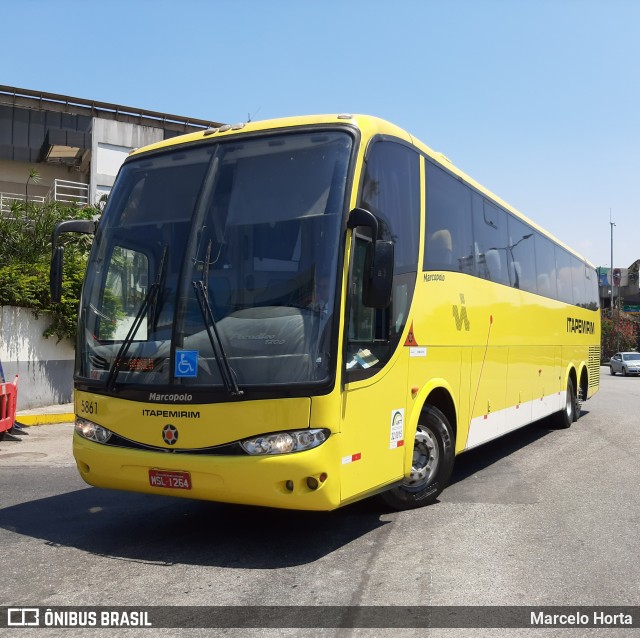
(625, 362)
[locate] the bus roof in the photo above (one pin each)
(369, 126)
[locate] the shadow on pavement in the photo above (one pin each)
(164, 530)
(486, 455)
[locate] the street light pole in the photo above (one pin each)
(611, 270)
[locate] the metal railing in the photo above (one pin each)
(7, 199)
(61, 190)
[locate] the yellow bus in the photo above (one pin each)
(304, 312)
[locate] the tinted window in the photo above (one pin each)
(391, 192)
(522, 256)
(546, 266)
(491, 240)
(592, 292)
(467, 233)
(579, 282)
(448, 241)
(565, 280)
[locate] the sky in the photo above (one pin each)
(538, 100)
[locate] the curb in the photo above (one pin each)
(45, 419)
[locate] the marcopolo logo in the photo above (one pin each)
(155, 396)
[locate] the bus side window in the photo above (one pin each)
(491, 237)
(565, 283)
(522, 260)
(546, 266)
(591, 289)
(448, 241)
(391, 191)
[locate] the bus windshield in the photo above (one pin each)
(218, 257)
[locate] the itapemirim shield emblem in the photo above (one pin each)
(170, 434)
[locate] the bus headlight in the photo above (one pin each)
(285, 442)
(92, 431)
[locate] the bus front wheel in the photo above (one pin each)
(433, 456)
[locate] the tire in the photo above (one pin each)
(569, 413)
(613, 372)
(624, 371)
(433, 457)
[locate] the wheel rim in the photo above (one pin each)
(426, 458)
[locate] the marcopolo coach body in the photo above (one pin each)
(301, 313)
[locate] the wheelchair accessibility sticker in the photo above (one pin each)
(186, 364)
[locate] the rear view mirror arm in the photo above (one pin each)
(86, 226)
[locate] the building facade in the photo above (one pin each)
(62, 148)
(75, 145)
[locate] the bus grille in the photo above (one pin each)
(594, 366)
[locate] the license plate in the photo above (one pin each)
(170, 479)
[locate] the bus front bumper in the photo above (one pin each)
(285, 481)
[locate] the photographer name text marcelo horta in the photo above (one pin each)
(581, 619)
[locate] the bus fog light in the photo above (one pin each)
(92, 431)
(312, 483)
(285, 442)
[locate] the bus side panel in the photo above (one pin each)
(373, 412)
(546, 381)
(488, 393)
(520, 386)
(432, 368)
(465, 399)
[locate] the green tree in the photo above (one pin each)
(34, 176)
(619, 334)
(25, 254)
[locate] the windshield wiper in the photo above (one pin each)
(150, 300)
(202, 295)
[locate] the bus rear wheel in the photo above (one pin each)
(569, 413)
(433, 456)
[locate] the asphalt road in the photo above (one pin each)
(540, 517)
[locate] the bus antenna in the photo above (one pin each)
(250, 117)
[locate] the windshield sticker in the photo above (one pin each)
(397, 429)
(363, 358)
(186, 364)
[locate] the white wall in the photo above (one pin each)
(111, 142)
(44, 366)
(15, 174)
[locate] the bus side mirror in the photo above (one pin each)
(86, 226)
(377, 287)
(55, 275)
(378, 271)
